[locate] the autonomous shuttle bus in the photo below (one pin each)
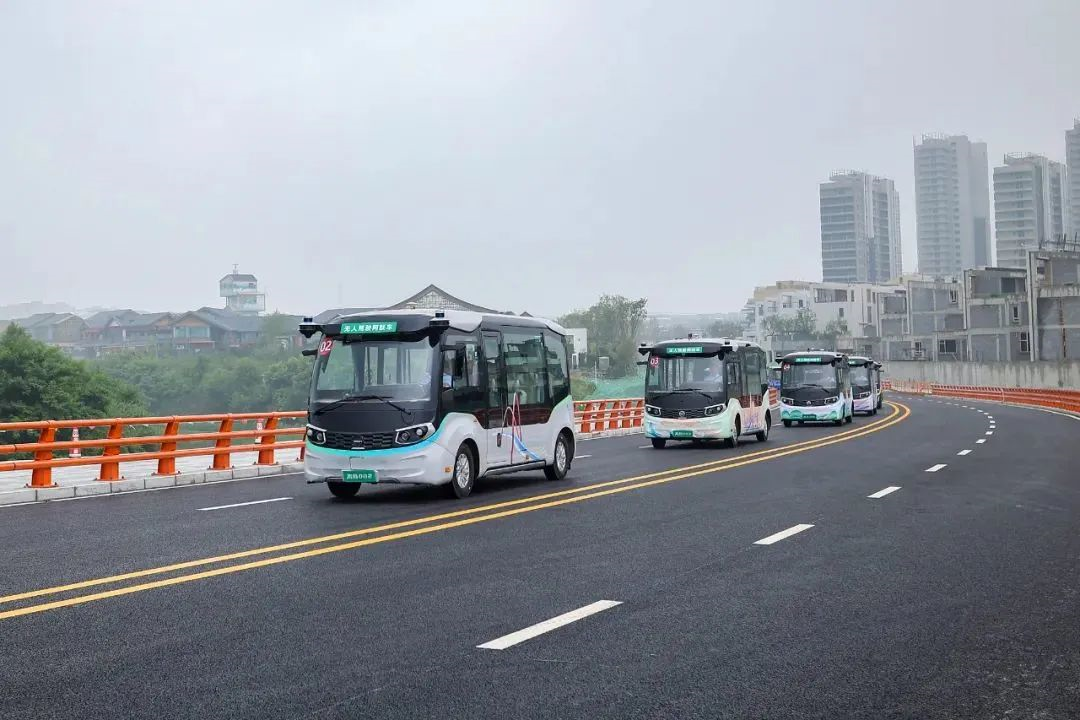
(705, 389)
(433, 397)
(865, 384)
(815, 386)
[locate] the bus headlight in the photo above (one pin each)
(714, 409)
(787, 401)
(652, 410)
(831, 400)
(412, 435)
(316, 436)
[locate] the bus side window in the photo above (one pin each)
(734, 388)
(755, 373)
(557, 368)
(494, 381)
(461, 365)
(526, 368)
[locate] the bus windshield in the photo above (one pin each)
(809, 375)
(685, 373)
(376, 369)
(861, 375)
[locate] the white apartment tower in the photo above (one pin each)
(1072, 163)
(860, 228)
(952, 205)
(1030, 208)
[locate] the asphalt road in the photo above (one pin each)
(955, 596)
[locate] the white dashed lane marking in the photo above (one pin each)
(935, 468)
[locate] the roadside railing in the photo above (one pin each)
(1039, 397)
(218, 445)
(266, 436)
(594, 416)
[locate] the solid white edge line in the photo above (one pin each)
(777, 537)
(882, 493)
(582, 457)
(548, 625)
(937, 467)
(244, 504)
(964, 452)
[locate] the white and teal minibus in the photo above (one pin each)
(815, 387)
(705, 389)
(865, 384)
(431, 397)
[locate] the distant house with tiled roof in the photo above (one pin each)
(60, 329)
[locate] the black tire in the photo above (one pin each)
(563, 458)
(733, 441)
(787, 423)
(659, 443)
(801, 423)
(342, 490)
(763, 435)
(464, 475)
(839, 422)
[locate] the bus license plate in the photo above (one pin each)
(360, 476)
(682, 433)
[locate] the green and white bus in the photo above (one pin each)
(815, 386)
(430, 397)
(705, 389)
(865, 384)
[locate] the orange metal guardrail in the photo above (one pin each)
(609, 414)
(590, 415)
(44, 449)
(1040, 397)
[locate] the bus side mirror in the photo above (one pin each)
(764, 388)
(308, 352)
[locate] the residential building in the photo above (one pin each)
(952, 205)
(846, 313)
(923, 319)
(860, 228)
(1029, 206)
(1054, 293)
(997, 314)
(241, 293)
(1072, 163)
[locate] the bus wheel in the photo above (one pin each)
(659, 443)
(558, 469)
(464, 472)
(733, 441)
(850, 418)
(787, 423)
(763, 435)
(342, 489)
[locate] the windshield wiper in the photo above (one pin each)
(802, 385)
(360, 398)
(699, 392)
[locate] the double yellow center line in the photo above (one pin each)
(396, 531)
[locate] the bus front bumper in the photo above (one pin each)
(426, 464)
(816, 413)
(718, 427)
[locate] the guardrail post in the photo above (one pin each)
(42, 477)
(223, 454)
(266, 455)
(167, 463)
(110, 469)
(639, 412)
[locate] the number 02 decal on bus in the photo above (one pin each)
(326, 346)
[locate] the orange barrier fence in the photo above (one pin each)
(1039, 397)
(591, 416)
(604, 415)
(220, 444)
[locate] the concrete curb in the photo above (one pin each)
(154, 482)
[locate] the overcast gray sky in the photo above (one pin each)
(525, 155)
